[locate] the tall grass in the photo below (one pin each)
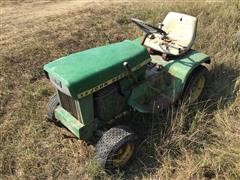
(193, 142)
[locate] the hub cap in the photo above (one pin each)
(197, 89)
(123, 155)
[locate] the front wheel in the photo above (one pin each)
(115, 148)
(52, 105)
(195, 85)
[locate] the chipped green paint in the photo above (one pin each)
(68, 120)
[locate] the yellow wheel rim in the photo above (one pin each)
(123, 155)
(197, 88)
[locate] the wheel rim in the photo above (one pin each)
(197, 88)
(123, 155)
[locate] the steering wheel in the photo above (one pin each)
(147, 28)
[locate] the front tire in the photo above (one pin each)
(53, 103)
(115, 148)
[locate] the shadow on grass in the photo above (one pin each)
(166, 133)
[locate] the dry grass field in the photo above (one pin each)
(34, 33)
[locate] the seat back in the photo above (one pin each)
(181, 28)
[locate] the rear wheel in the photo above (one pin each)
(195, 85)
(116, 147)
(52, 105)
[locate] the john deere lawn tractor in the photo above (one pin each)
(96, 86)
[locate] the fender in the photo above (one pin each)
(170, 82)
(179, 69)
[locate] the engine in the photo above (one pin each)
(109, 102)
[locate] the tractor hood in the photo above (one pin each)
(85, 72)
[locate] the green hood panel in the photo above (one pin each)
(85, 70)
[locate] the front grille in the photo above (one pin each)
(68, 104)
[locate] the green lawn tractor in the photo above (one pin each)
(97, 86)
